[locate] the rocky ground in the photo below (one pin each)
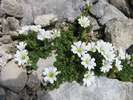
(111, 18)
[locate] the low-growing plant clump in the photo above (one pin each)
(78, 58)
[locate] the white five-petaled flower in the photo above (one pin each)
(106, 66)
(91, 47)
(56, 33)
(88, 62)
(42, 34)
(121, 53)
(84, 21)
(21, 57)
(24, 30)
(79, 48)
(50, 74)
(88, 3)
(21, 46)
(106, 49)
(118, 64)
(35, 28)
(89, 79)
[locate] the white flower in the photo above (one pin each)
(24, 30)
(118, 64)
(128, 56)
(42, 34)
(106, 66)
(56, 33)
(21, 45)
(79, 48)
(88, 3)
(50, 74)
(22, 57)
(91, 47)
(48, 35)
(84, 21)
(106, 49)
(122, 53)
(88, 62)
(89, 79)
(35, 28)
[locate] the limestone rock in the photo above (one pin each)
(13, 23)
(64, 9)
(120, 33)
(9, 24)
(5, 26)
(12, 96)
(94, 23)
(13, 77)
(122, 5)
(6, 39)
(45, 20)
(0, 29)
(105, 12)
(4, 55)
(1, 12)
(24, 95)
(12, 7)
(2, 94)
(33, 82)
(104, 89)
(13, 33)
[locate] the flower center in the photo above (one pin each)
(80, 50)
(24, 56)
(86, 61)
(50, 74)
(88, 76)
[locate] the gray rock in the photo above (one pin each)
(94, 23)
(5, 26)
(24, 95)
(33, 82)
(120, 33)
(2, 91)
(105, 12)
(2, 94)
(12, 7)
(64, 9)
(9, 24)
(6, 39)
(13, 23)
(12, 96)
(0, 28)
(45, 20)
(104, 89)
(1, 12)
(13, 33)
(13, 77)
(122, 5)
(4, 56)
